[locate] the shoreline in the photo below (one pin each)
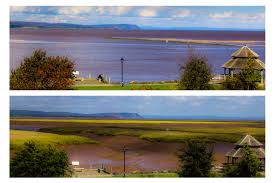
(193, 41)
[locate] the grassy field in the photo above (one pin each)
(93, 84)
(167, 135)
(153, 130)
(165, 86)
(19, 137)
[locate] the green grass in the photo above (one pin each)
(174, 134)
(165, 86)
(154, 130)
(145, 122)
(19, 137)
(156, 175)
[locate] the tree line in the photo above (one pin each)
(196, 159)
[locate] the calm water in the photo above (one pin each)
(95, 53)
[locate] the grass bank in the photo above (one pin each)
(19, 137)
(162, 134)
(153, 130)
(165, 86)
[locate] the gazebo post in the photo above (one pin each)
(262, 76)
(232, 73)
(224, 73)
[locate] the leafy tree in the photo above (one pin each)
(196, 74)
(196, 160)
(247, 167)
(246, 79)
(42, 72)
(34, 160)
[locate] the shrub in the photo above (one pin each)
(196, 74)
(196, 160)
(246, 79)
(232, 83)
(39, 161)
(42, 72)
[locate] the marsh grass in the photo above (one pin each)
(174, 134)
(19, 137)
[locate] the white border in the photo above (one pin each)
(270, 74)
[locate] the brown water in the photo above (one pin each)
(142, 155)
(94, 52)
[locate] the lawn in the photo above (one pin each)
(165, 86)
(19, 137)
(93, 84)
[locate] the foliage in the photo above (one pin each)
(232, 83)
(196, 74)
(35, 160)
(246, 79)
(196, 160)
(42, 72)
(247, 167)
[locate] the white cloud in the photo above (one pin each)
(226, 14)
(75, 10)
(22, 9)
(182, 14)
(148, 12)
(240, 17)
(17, 9)
(57, 18)
(116, 10)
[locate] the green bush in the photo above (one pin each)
(246, 79)
(196, 160)
(196, 74)
(35, 160)
(42, 72)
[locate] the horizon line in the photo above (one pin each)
(142, 27)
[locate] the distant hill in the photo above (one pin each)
(23, 24)
(27, 113)
(43, 114)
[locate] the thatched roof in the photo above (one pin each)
(241, 56)
(239, 152)
(239, 63)
(248, 140)
(245, 52)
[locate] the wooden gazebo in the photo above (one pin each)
(239, 60)
(236, 154)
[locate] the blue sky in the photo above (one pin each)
(241, 17)
(243, 107)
